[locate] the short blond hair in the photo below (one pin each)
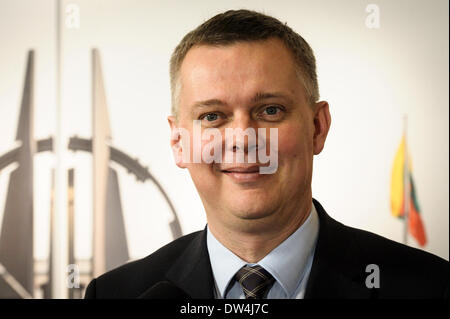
(244, 26)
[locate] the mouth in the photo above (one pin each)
(243, 174)
(241, 169)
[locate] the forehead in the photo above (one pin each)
(236, 72)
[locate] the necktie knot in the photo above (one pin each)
(255, 281)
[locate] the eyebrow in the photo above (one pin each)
(264, 96)
(206, 103)
(259, 96)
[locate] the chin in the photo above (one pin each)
(252, 209)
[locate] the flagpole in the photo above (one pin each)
(58, 233)
(406, 181)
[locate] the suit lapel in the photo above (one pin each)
(337, 271)
(192, 270)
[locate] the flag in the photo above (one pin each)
(398, 187)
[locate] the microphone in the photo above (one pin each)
(164, 290)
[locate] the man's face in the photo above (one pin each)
(248, 85)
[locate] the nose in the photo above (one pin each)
(242, 134)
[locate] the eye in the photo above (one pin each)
(210, 117)
(271, 113)
(272, 110)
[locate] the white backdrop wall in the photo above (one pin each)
(371, 77)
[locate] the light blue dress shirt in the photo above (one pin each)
(289, 263)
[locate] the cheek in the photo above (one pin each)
(295, 157)
(204, 180)
(202, 173)
(293, 143)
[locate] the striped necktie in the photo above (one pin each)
(255, 281)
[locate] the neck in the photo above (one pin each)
(253, 242)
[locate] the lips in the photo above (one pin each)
(241, 169)
(243, 174)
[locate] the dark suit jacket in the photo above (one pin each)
(338, 270)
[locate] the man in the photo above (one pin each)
(266, 236)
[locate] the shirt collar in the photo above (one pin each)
(224, 263)
(286, 263)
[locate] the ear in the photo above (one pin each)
(176, 142)
(322, 122)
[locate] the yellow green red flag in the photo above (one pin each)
(415, 224)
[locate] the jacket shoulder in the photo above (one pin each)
(404, 271)
(133, 278)
(381, 248)
(354, 263)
